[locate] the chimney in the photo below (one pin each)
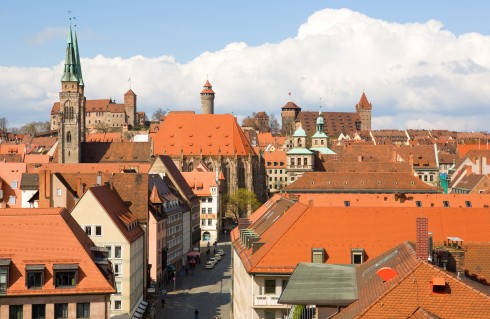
(422, 238)
(469, 170)
(44, 189)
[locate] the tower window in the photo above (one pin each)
(68, 137)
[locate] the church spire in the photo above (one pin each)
(71, 70)
(77, 58)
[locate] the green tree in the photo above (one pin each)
(101, 127)
(274, 125)
(240, 203)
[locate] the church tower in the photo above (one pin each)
(130, 107)
(207, 99)
(71, 132)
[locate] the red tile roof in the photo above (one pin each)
(116, 152)
(364, 103)
(125, 221)
(335, 122)
(200, 182)
(290, 105)
(48, 237)
(193, 134)
(477, 261)
(88, 167)
(104, 137)
(290, 238)
(387, 182)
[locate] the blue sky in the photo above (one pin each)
(178, 35)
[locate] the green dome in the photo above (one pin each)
(299, 132)
(320, 120)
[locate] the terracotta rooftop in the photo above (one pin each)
(116, 152)
(104, 137)
(387, 182)
(113, 205)
(290, 105)
(88, 167)
(364, 103)
(335, 122)
(290, 238)
(200, 182)
(477, 261)
(365, 167)
(48, 237)
(216, 134)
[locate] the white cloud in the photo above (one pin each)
(415, 75)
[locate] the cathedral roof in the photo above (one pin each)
(216, 134)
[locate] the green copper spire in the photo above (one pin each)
(71, 68)
(79, 65)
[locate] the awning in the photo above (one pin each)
(193, 253)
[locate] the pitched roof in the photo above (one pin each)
(217, 134)
(364, 103)
(290, 105)
(112, 204)
(290, 238)
(104, 137)
(477, 261)
(178, 179)
(48, 236)
(200, 182)
(469, 182)
(365, 167)
(335, 122)
(117, 152)
(388, 182)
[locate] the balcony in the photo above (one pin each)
(266, 301)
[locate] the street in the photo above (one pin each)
(207, 290)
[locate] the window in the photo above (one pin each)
(268, 314)
(468, 204)
(270, 286)
(35, 276)
(14, 184)
(117, 252)
(109, 251)
(203, 222)
(98, 230)
(4, 275)
(210, 210)
(83, 310)
(16, 311)
(12, 200)
(60, 310)
(346, 203)
(68, 137)
(58, 192)
(203, 210)
(118, 288)
(210, 222)
(357, 256)
(117, 304)
(445, 203)
(88, 230)
(39, 311)
(65, 275)
(117, 270)
(418, 203)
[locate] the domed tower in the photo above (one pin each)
(207, 98)
(71, 132)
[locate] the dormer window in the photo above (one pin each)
(438, 285)
(318, 255)
(445, 203)
(4, 275)
(357, 256)
(65, 275)
(34, 276)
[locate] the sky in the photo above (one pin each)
(422, 64)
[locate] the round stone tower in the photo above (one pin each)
(207, 99)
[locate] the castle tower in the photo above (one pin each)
(207, 99)
(363, 108)
(289, 115)
(130, 107)
(71, 131)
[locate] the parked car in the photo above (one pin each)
(210, 264)
(221, 252)
(214, 259)
(217, 256)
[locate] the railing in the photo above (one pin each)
(266, 300)
(302, 312)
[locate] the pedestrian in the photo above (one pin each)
(163, 302)
(196, 314)
(186, 270)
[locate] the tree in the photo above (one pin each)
(101, 127)
(249, 122)
(274, 125)
(157, 114)
(35, 127)
(238, 204)
(3, 124)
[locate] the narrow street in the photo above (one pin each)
(207, 290)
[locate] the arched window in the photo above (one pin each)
(69, 112)
(241, 175)
(68, 137)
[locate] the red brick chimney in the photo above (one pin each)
(44, 189)
(422, 248)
